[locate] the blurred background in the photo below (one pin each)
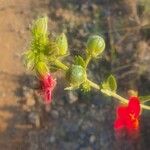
(77, 121)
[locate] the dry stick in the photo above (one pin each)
(122, 67)
(122, 76)
(112, 47)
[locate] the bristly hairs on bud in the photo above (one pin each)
(95, 45)
(62, 44)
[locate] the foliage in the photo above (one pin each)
(47, 53)
(110, 84)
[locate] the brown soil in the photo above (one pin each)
(15, 16)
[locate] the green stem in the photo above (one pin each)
(94, 85)
(113, 94)
(121, 99)
(61, 65)
(87, 60)
(146, 101)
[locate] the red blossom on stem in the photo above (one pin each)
(128, 116)
(47, 85)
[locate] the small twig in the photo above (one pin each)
(122, 67)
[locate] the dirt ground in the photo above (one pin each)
(14, 31)
(15, 132)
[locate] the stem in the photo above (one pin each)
(113, 94)
(61, 65)
(146, 101)
(94, 85)
(87, 60)
(123, 100)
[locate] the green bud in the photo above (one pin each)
(62, 44)
(76, 75)
(39, 27)
(95, 45)
(41, 68)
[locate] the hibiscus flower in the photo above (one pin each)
(128, 116)
(47, 86)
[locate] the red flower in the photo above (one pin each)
(128, 116)
(47, 85)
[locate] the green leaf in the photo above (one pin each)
(29, 57)
(112, 83)
(79, 61)
(30, 64)
(42, 57)
(105, 86)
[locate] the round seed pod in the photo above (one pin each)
(76, 75)
(95, 45)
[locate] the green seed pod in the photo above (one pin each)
(76, 75)
(39, 27)
(41, 68)
(62, 44)
(95, 45)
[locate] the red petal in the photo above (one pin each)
(48, 81)
(134, 106)
(47, 96)
(48, 84)
(132, 124)
(122, 112)
(118, 124)
(128, 116)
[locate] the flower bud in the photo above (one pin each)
(95, 45)
(62, 44)
(41, 69)
(48, 84)
(39, 27)
(76, 75)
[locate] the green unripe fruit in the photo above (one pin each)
(95, 45)
(39, 27)
(76, 75)
(62, 44)
(41, 68)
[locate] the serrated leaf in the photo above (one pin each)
(112, 83)
(79, 61)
